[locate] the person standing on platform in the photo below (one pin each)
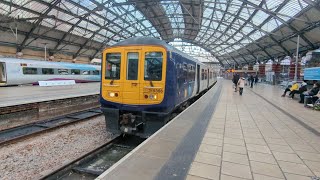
(241, 84)
(235, 81)
(256, 79)
(251, 81)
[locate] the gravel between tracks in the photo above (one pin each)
(41, 154)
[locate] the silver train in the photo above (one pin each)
(15, 71)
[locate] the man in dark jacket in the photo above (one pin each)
(301, 90)
(235, 80)
(256, 79)
(312, 92)
(251, 79)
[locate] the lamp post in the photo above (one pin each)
(45, 51)
(297, 57)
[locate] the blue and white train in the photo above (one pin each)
(15, 71)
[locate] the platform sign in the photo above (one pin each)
(57, 83)
(312, 73)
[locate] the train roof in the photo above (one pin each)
(17, 60)
(153, 41)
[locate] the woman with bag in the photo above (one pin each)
(241, 83)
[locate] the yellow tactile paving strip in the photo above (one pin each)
(248, 138)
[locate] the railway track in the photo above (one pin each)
(94, 163)
(11, 135)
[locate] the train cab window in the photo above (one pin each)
(47, 71)
(85, 72)
(153, 66)
(96, 72)
(132, 65)
(113, 66)
(63, 71)
(75, 71)
(28, 70)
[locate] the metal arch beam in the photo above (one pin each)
(243, 57)
(70, 30)
(145, 28)
(50, 7)
(279, 44)
(44, 37)
(159, 24)
(193, 18)
(223, 16)
(37, 13)
(205, 48)
(314, 4)
(87, 41)
(210, 20)
(234, 60)
(98, 15)
(266, 20)
(271, 13)
(248, 21)
(71, 14)
(234, 19)
(255, 27)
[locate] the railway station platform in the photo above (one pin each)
(226, 136)
(17, 95)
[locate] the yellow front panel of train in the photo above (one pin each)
(134, 75)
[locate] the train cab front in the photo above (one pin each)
(133, 83)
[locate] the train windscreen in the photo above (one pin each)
(113, 66)
(3, 77)
(153, 66)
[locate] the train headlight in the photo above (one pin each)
(111, 94)
(153, 96)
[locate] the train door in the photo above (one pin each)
(131, 85)
(198, 78)
(3, 74)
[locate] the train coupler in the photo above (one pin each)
(129, 123)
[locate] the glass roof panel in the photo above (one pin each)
(174, 12)
(221, 29)
(194, 51)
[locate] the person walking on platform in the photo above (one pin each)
(256, 79)
(251, 81)
(235, 80)
(241, 84)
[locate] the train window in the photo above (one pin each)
(153, 66)
(113, 66)
(191, 74)
(47, 71)
(185, 72)
(96, 72)
(28, 70)
(85, 72)
(63, 71)
(75, 71)
(132, 65)
(202, 74)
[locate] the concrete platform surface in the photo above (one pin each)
(255, 136)
(16, 95)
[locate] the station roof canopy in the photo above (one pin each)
(233, 31)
